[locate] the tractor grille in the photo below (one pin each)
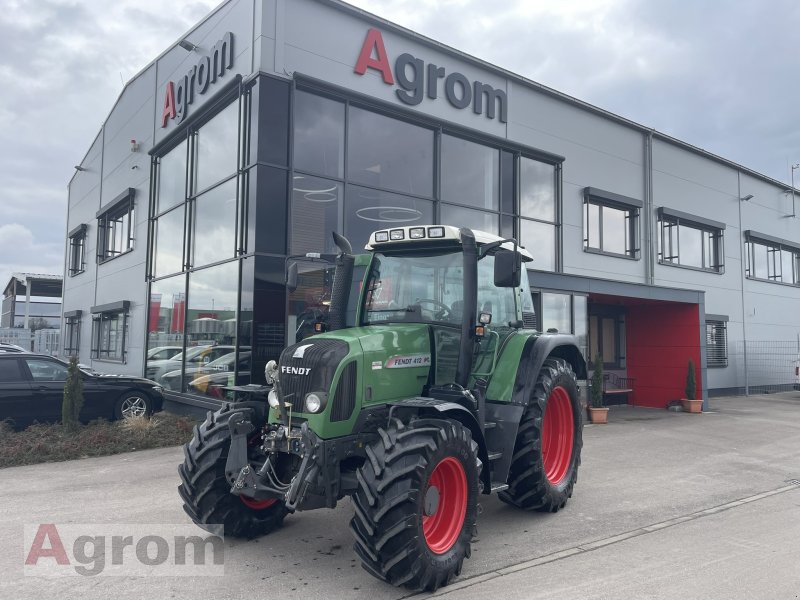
(345, 399)
(311, 370)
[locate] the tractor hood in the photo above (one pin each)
(356, 367)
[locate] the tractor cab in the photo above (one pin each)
(469, 287)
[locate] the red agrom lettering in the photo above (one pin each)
(169, 105)
(373, 44)
(56, 549)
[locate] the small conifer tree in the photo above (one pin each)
(597, 383)
(73, 394)
(691, 383)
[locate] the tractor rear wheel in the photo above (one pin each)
(416, 503)
(547, 450)
(206, 494)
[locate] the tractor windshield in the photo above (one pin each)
(415, 288)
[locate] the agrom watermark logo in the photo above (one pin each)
(54, 550)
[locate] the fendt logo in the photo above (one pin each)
(417, 79)
(197, 80)
(296, 370)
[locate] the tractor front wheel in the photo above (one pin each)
(416, 503)
(205, 491)
(547, 451)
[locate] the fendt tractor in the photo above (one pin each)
(426, 386)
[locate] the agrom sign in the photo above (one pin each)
(197, 81)
(416, 80)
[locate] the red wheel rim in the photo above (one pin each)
(558, 434)
(442, 525)
(257, 504)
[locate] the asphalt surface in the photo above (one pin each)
(667, 505)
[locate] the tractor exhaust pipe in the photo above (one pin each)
(467, 345)
(337, 314)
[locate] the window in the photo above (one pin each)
(607, 338)
(610, 223)
(197, 208)
(115, 226)
(389, 154)
(72, 332)
(77, 250)
(716, 341)
(689, 241)
(110, 331)
(318, 134)
(9, 371)
(772, 259)
(537, 197)
(46, 370)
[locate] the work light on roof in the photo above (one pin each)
(381, 236)
(416, 233)
(397, 234)
(436, 232)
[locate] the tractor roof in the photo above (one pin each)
(407, 237)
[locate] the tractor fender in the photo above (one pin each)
(538, 349)
(432, 407)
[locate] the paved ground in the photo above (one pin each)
(667, 505)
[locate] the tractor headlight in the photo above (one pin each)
(271, 372)
(272, 398)
(315, 402)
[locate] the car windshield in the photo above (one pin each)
(415, 288)
(191, 354)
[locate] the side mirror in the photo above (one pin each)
(291, 277)
(507, 269)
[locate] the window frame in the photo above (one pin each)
(776, 247)
(107, 313)
(632, 208)
(72, 333)
(716, 353)
(668, 218)
(77, 250)
(122, 206)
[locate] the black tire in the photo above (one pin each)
(204, 489)
(133, 404)
(529, 486)
(394, 485)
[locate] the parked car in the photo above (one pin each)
(163, 352)
(212, 383)
(11, 348)
(32, 389)
(220, 367)
(196, 355)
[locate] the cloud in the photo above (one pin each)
(61, 70)
(21, 252)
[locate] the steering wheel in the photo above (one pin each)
(444, 309)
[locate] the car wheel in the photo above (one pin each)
(133, 404)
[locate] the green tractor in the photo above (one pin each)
(426, 386)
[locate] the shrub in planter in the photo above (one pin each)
(690, 402)
(597, 412)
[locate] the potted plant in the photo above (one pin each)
(597, 412)
(690, 403)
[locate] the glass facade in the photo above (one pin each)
(218, 198)
(231, 202)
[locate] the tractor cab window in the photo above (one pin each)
(418, 288)
(499, 302)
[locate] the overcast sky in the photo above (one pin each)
(720, 75)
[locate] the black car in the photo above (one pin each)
(32, 389)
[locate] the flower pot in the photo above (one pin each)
(692, 406)
(598, 415)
